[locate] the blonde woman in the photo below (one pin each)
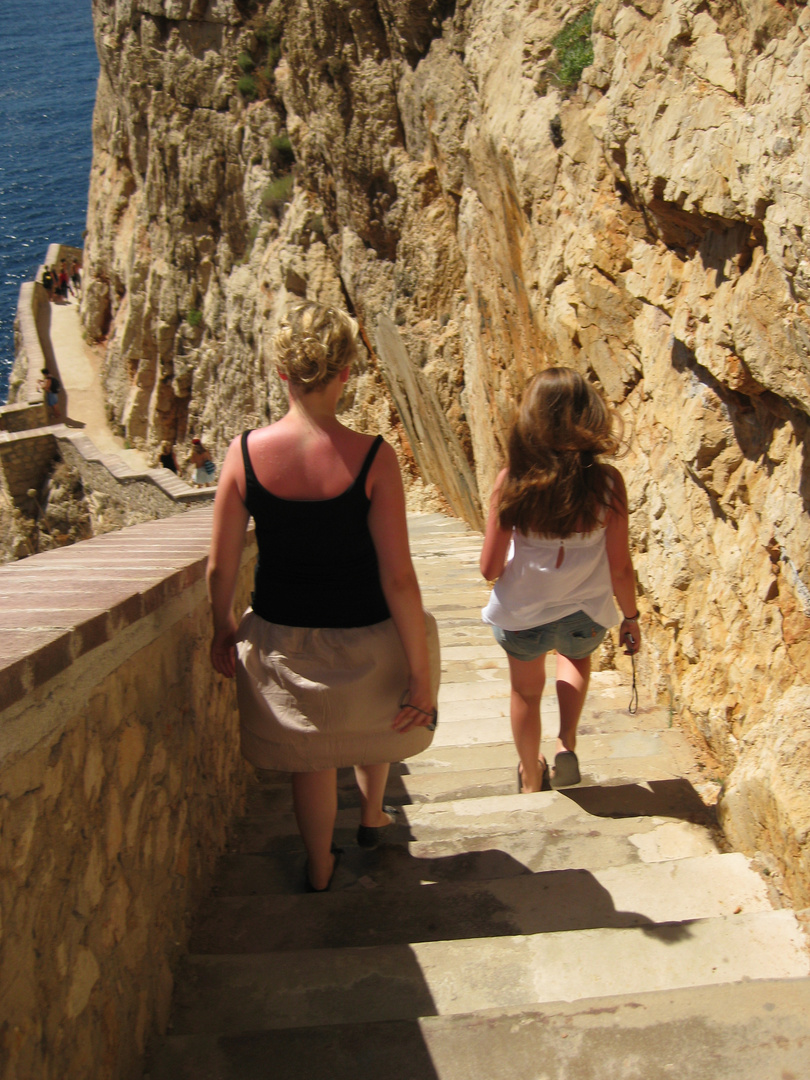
(336, 662)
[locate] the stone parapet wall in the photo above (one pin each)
(158, 492)
(119, 775)
(32, 332)
(25, 457)
(23, 417)
(32, 344)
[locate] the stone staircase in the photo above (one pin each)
(585, 934)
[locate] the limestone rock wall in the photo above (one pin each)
(647, 227)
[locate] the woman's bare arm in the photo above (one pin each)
(227, 543)
(622, 574)
(496, 538)
(388, 526)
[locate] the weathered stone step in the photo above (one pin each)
(443, 786)
(472, 856)
(230, 994)
(459, 730)
(749, 1031)
(634, 756)
(578, 811)
(605, 711)
(637, 895)
(595, 750)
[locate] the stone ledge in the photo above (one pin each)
(176, 489)
(61, 604)
(19, 417)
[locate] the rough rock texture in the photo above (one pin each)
(647, 227)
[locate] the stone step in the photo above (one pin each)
(279, 868)
(748, 1031)
(596, 751)
(583, 811)
(436, 785)
(604, 711)
(230, 994)
(635, 895)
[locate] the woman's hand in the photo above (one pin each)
(630, 636)
(418, 708)
(223, 650)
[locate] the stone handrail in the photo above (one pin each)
(119, 775)
(33, 349)
(32, 332)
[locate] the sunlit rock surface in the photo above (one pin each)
(647, 227)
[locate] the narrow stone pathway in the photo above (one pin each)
(592, 933)
(80, 372)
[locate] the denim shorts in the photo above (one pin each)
(576, 636)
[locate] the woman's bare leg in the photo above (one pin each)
(573, 677)
(371, 779)
(315, 805)
(528, 677)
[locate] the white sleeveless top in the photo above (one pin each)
(533, 590)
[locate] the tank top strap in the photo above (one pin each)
(250, 475)
(360, 482)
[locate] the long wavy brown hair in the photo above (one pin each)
(555, 484)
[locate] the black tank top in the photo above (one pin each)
(317, 564)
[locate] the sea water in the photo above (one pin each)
(48, 76)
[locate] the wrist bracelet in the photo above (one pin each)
(432, 713)
(631, 618)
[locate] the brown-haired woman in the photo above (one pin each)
(557, 547)
(336, 662)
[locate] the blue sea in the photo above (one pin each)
(48, 76)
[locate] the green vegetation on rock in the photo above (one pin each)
(278, 193)
(574, 49)
(247, 88)
(282, 156)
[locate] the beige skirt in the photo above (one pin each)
(314, 699)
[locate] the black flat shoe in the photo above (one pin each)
(309, 887)
(368, 836)
(566, 769)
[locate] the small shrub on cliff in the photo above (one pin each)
(194, 317)
(247, 88)
(268, 34)
(246, 62)
(574, 50)
(282, 157)
(278, 193)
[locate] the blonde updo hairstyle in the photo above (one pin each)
(313, 344)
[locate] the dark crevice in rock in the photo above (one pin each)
(754, 418)
(411, 31)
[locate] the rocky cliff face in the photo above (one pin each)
(422, 163)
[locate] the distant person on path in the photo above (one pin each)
(47, 282)
(76, 279)
(56, 291)
(63, 281)
(167, 457)
(556, 546)
(336, 662)
(51, 387)
(204, 467)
